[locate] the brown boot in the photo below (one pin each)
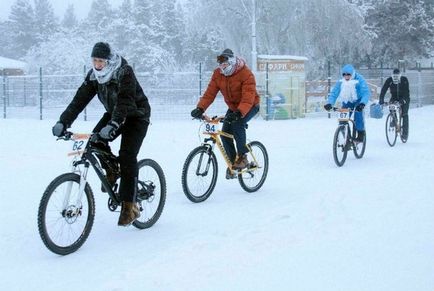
(241, 162)
(129, 213)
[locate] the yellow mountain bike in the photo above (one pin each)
(199, 174)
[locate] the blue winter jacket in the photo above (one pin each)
(362, 89)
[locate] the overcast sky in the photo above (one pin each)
(81, 7)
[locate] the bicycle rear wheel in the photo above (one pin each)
(403, 137)
(391, 133)
(64, 222)
(151, 193)
(340, 145)
(252, 178)
(199, 174)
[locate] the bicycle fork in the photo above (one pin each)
(208, 162)
(83, 181)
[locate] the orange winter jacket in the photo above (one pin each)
(239, 90)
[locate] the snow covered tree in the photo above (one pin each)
(45, 21)
(21, 23)
(69, 19)
(402, 30)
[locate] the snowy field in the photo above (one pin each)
(313, 226)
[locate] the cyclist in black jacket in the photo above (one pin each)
(127, 114)
(400, 91)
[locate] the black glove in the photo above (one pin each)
(328, 107)
(233, 116)
(360, 107)
(109, 131)
(403, 102)
(59, 129)
(197, 112)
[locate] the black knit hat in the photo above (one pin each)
(223, 57)
(101, 50)
(228, 53)
(396, 71)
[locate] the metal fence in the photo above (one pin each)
(172, 95)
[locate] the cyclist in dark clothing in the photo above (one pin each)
(127, 114)
(399, 89)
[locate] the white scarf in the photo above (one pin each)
(348, 90)
(105, 74)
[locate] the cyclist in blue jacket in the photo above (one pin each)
(353, 92)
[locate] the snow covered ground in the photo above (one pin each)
(313, 226)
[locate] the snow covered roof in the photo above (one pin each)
(6, 63)
(282, 57)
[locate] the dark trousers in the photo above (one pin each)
(405, 105)
(132, 132)
(238, 130)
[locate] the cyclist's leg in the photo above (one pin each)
(404, 108)
(132, 134)
(228, 143)
(240, 130)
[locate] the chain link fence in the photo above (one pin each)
(174, 95)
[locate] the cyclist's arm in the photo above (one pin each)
(334, 93)
(384, 89)
(210, 93)
(125, 101)
(82, 97)
(363, 91)
(405, 91)
(248, 94)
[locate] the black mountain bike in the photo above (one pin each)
(344, 138)
(67, 208)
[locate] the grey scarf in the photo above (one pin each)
(106, 74)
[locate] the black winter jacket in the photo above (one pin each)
(122, 97)
(399, 92)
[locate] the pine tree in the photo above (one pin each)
(45, 21)
(401, 30)
(22, 25)
(69, 19)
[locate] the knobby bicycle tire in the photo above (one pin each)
(47, 238)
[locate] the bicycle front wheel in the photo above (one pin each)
(64, 220)
(340, 145)
(252, 178)
(391, 133)
(199, 174)
(151, 193)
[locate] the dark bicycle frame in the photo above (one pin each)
(89, 158)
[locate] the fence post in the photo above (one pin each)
(4, 95)
(200, 79)
(85, 108)
(419, 85)
(24, 89)
(267, 95)
(329, 82)
(40, 93)
(381, 74)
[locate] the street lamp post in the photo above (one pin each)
(254, 52)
